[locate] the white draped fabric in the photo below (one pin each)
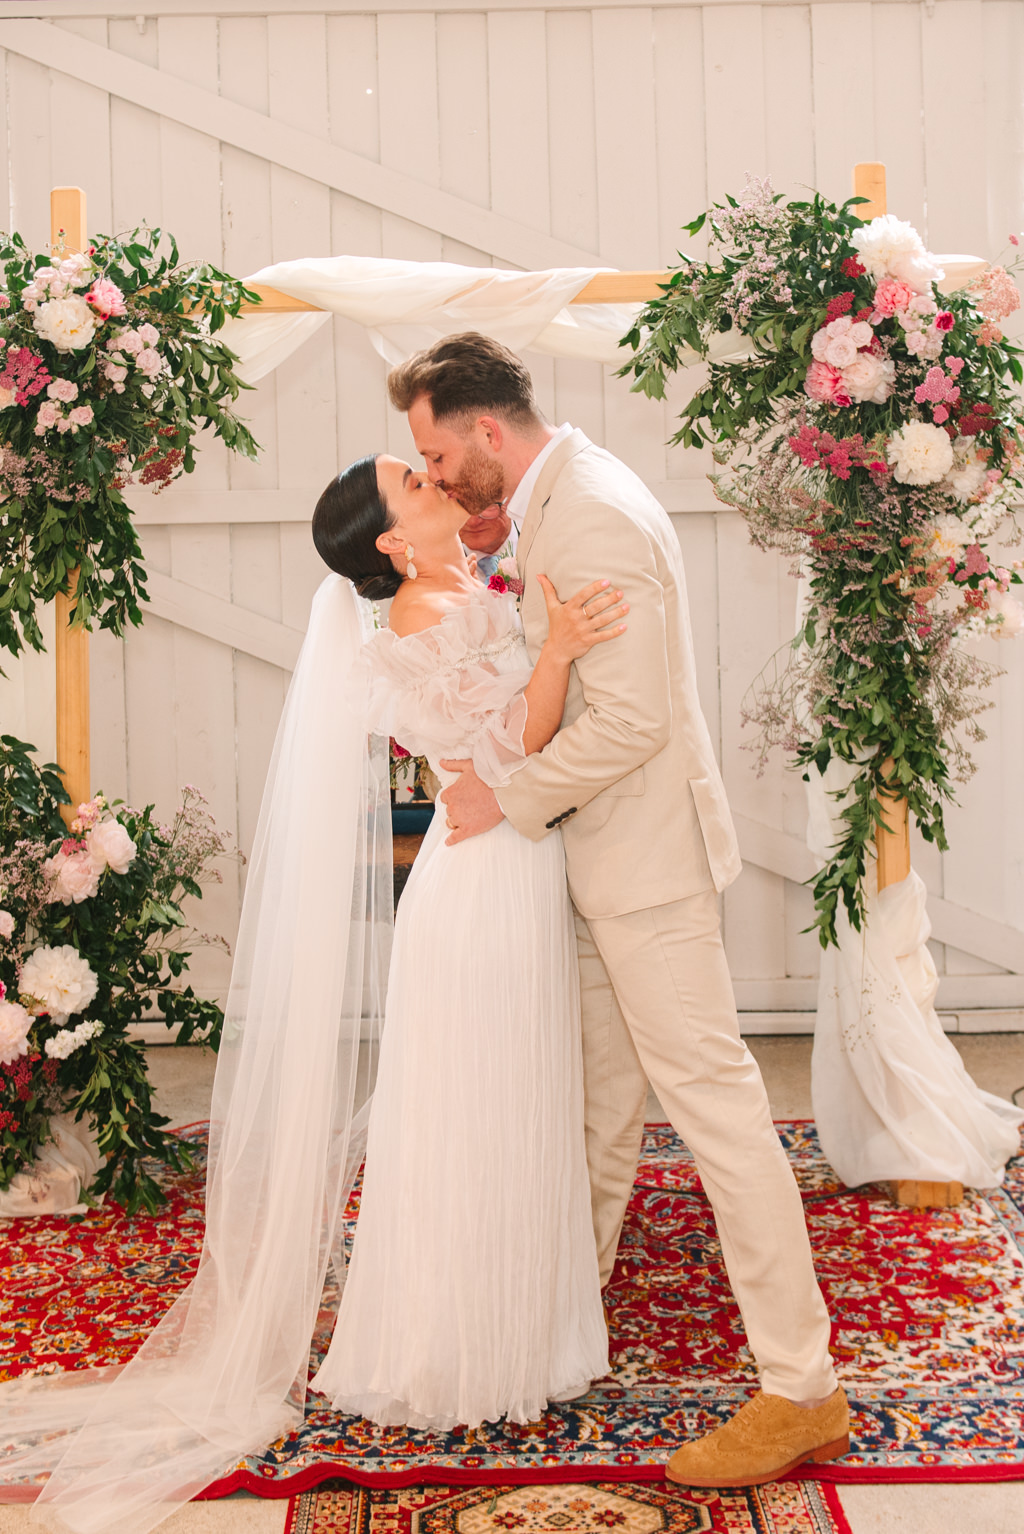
(63, 1167)
(406, 305)
(891, 1096)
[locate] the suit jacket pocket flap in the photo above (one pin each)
(631, 784)
(716, 826)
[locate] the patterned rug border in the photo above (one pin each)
(828, 1492)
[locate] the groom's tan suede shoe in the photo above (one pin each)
(765, 1440)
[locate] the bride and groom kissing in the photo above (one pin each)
(582, 811)
(557, 947)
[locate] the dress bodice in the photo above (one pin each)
(456, 689)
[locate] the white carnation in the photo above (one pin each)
(15, 1023)
(869, 378)
(889, 247)
(921, 454)
(110, 846)
(67, 323)
(967, 476)
(58, 980)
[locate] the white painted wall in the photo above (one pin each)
(510, 135)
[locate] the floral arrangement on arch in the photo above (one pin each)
(93, 938)
(109, 366)
(870, 426)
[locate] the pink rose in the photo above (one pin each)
(6, 923)
(149, 362)
(826, 384)
(81, 415)
(63, 389)
(106, 298)
(48, 415)
(113, 373)
(891, 296)
(75, 877)
(840, 351)
(131, 342)
(149, 334)
(110, 846)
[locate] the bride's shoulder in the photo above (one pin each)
(413, 611)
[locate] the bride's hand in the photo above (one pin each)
(590, 617)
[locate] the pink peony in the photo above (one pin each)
(944, 320)
(892, 296)
(106, 298)
(110, 846)
(75, 877)
(825, 383)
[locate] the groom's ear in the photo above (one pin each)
(489, 433)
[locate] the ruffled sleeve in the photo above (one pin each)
(440, 693)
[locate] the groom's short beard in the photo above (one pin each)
(481, 482)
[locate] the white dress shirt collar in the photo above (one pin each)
(519, 500)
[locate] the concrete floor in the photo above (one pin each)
(183, 1078)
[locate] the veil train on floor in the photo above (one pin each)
(225, 1371)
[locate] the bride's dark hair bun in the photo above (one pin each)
(349, 518)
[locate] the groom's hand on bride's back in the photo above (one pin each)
(470, 806)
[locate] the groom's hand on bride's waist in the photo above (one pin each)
(470, 806)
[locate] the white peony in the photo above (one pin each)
(869, 378)
(1009, 612)
(949, 537)
(889, 247)
(967, 476)
(15, 1023)
(67, 323)
(921, 454)
(58, 980)
(110, 846)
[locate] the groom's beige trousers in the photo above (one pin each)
(658, 1005)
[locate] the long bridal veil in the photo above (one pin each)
(225, 1371)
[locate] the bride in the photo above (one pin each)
(473, 1286)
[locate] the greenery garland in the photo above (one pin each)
(109, 366)
(870, 427)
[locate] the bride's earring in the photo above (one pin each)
(410, 569)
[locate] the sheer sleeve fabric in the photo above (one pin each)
(455, 690)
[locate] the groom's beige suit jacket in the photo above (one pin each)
(630, 778)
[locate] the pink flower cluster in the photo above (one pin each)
(939, 390)
(24, 374)
(849, 362)
(837, 455)
(995, 294)
(58, 281)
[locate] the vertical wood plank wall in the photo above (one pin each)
(605, 128)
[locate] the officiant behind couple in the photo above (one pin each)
(582, 809)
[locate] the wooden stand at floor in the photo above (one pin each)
(910, 1194)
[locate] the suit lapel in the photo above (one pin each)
(573, 444)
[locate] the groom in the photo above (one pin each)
(631, 783)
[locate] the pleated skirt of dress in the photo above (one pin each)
(473, 1290)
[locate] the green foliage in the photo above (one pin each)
(134, 935)
(62, 490)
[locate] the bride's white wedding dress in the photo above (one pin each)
(473, 1288)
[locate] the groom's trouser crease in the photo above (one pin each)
(658, 1005)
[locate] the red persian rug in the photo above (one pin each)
(928, 1336)
(599, 1507)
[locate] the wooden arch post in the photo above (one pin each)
(68, 233)
(892, 841)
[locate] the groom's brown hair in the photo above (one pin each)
(463, 377)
